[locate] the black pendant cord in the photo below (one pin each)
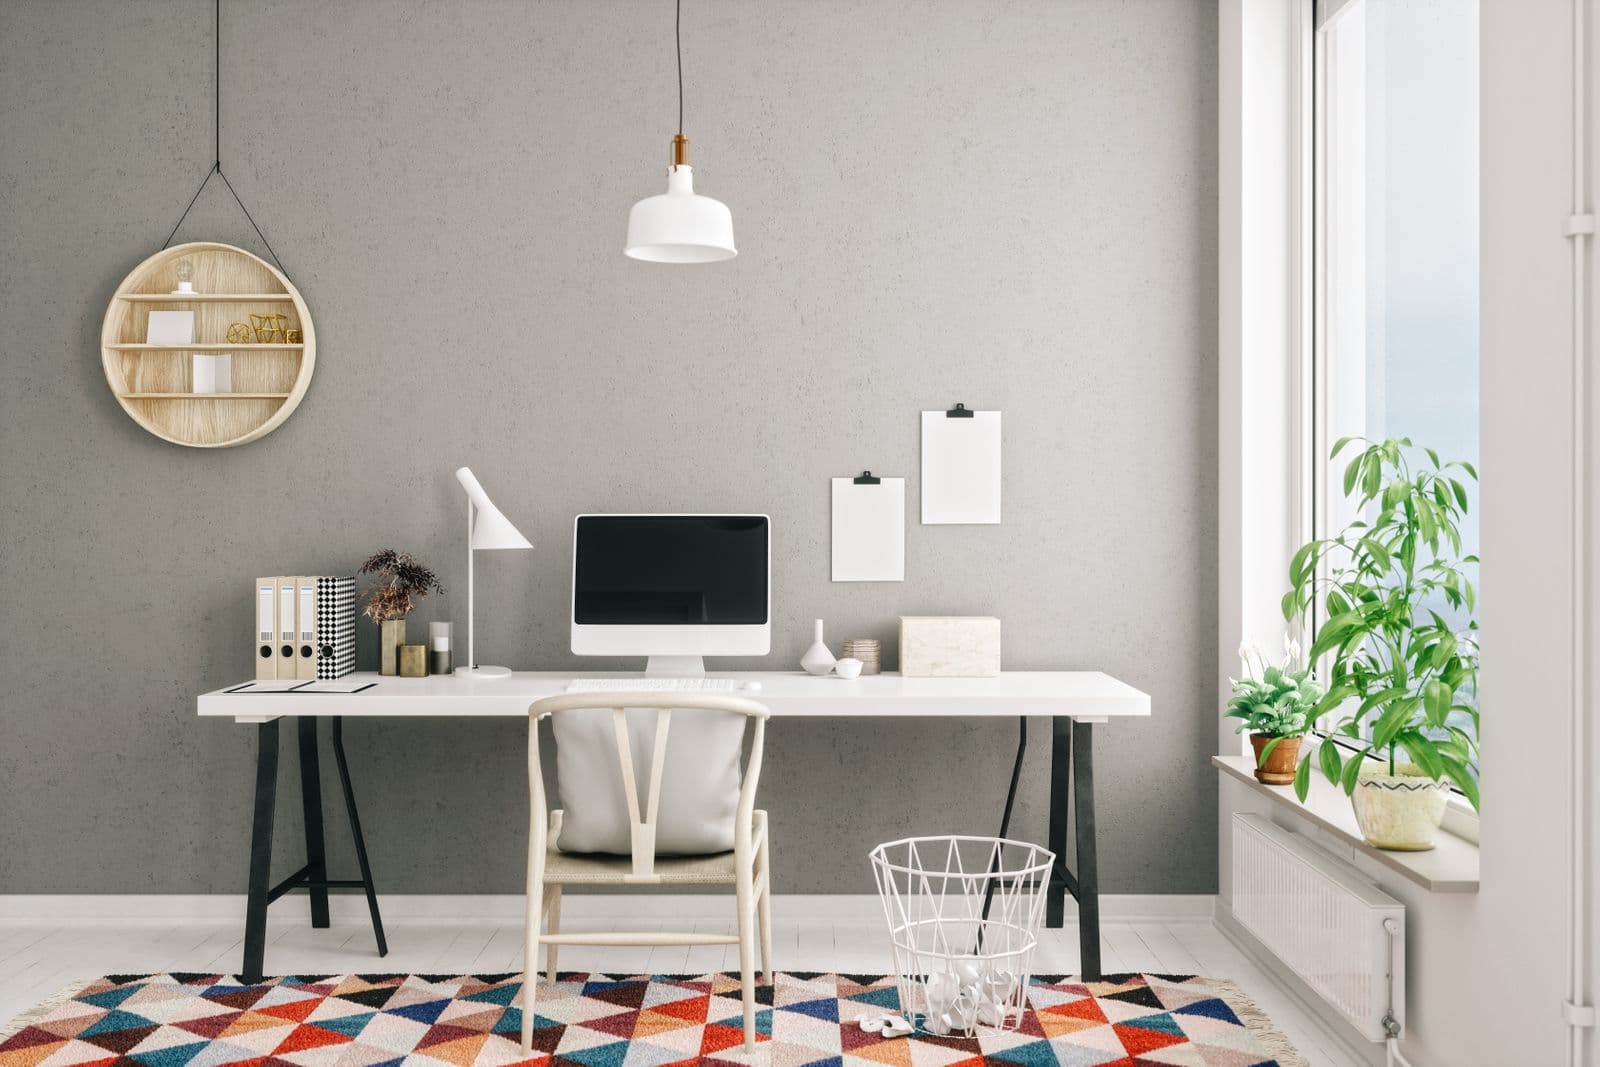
(216, 144)
(677, 33)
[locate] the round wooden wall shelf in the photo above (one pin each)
(155, 383)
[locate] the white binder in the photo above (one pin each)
(287, 588)
(305, 614)
(266, 643)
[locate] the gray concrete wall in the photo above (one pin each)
(1010, 205)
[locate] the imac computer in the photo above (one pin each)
(672, 588)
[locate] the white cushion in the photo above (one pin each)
(699, 781)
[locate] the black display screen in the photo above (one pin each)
(666, 570)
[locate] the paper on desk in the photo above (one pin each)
(334, 687)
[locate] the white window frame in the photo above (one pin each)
(1323, 505)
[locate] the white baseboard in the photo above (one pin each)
(400, 908)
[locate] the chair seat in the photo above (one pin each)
(596, 869)
(579, 868)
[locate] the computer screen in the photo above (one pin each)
(670, 570)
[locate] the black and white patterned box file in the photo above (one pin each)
(336, 627)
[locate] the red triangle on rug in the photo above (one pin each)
(717, 1037)
(303, 1037)
(693, 1009)
(1137, 1040)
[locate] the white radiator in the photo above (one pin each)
(1322, 921)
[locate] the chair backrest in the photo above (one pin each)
(644, 812)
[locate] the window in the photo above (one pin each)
(1395, 261)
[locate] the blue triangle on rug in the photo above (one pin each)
(1215, 1008)
(885, 997)
(173, 1056)
(426, 1012)
(501, 994)
(1033, 1054)
(826, 1008)
(611, 1055)
(115, 1020)
(1162, 1022)
(348, 1025)
(111, 997)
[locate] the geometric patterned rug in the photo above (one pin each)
(595, 1020)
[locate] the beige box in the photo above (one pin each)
(949, 646)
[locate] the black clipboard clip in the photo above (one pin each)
(960, 411)
(868, 478)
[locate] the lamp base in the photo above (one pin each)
(484, 673)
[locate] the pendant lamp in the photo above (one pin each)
(679, 226)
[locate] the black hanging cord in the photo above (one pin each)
(677, 33)
(216, 144)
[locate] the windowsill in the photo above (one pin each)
(1451, 866)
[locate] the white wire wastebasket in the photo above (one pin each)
(962, 914)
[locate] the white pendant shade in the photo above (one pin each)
(680, 227)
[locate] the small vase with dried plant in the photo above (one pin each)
(401, 581)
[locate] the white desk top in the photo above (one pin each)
(1083, 695)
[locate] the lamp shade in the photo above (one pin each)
(680, 227)
(490, 529)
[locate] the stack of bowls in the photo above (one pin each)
(866, 650)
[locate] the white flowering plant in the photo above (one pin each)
(1279, 703)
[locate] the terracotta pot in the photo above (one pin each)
(1399, 812)
(391, 636)
(1280, 766)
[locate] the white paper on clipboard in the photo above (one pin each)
(869, 530)
(960, 468)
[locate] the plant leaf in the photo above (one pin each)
(1352, 770)
(1302, 779)
(1266, 750)
(1462, 777)
(1328, 756)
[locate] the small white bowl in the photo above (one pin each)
(848, 668)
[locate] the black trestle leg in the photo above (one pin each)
(1087, 875)
(255, 923)
(1055, 912)
(355, 832)
(311, 799)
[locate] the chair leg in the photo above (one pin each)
(744, 900)
(552, 908)
(764, 914)
(530, 952)
(747, 978)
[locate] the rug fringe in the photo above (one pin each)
(1258, 1023)
(40, 1010)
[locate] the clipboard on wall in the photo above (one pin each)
(869, 529)
(960, 467)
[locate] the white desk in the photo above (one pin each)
(1073, 700)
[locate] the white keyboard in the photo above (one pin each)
(652, 685)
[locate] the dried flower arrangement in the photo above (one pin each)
(401, 582)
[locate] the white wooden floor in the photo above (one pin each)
(36, 961)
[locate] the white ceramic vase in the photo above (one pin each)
(817, 660)
(1400, 812)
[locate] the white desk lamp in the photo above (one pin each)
(486, 528)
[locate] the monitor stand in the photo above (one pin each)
(675, 667)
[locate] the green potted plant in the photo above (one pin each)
(1276, 708)
(1403, 678)
(401, 581)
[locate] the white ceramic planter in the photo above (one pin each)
(1399, 812)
